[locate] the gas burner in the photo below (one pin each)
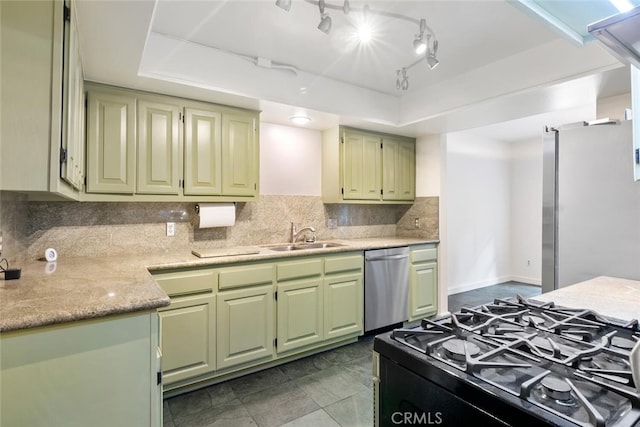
(455, 349)
(623, 343)
(556, 389)
(532, 320)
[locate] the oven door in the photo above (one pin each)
(404, 398)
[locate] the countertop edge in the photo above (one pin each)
(134, 272)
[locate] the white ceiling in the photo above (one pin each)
(497, 63)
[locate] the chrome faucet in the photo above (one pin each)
(295, 234)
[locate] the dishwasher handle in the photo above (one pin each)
(387, 257)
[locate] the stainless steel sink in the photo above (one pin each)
(304, 246)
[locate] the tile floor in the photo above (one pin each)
(332, 388)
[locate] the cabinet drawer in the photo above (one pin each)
(177, 283)
(249, 275)
(342, 264)
(298, 269)
(423, 255)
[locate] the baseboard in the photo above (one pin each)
(464, 287)
(490, 282)
(527, 280)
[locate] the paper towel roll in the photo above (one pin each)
(217, 214)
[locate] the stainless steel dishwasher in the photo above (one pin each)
(386, 287)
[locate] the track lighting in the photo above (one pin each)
(426, 49)
(325, 24)
(402, 80)
(346, 7)
(284, 4)
(418, 44)
(325, 20)
(432, 62)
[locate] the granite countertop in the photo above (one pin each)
(609, 296)
(73, 289)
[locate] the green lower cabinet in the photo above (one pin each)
(299, 320)
(343, 305)
(187, 337)
(245, 326)
(99, 372)
(423, 290)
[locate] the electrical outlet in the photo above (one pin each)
(171, 229)
(416, 222)
(332, 223)
(528, 263)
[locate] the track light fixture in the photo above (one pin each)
(402, 80)
(426, 49)
(346, 7)
(418, 44)
(432, 62)
(284, 4)
(325, 20)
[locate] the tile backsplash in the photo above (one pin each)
(104, 229)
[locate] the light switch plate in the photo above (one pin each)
(171, 229)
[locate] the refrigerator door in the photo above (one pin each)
(548, 260)
(598, 205)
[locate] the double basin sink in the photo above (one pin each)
(304, 246)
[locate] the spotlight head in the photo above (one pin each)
(325, 24)
(432, 62)
(346, 7)
(284, 4)
(419, 46)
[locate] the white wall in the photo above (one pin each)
(526, 210)
(477, 209)
(428, 166)
(290, 160)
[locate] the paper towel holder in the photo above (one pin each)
(198, 207)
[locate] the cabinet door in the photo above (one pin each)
(95, 373)
(111, 142)
(239, 155)
(244, 326)
(343, 305)
(423, 290)
(399, 169)
(72, 168)
(202, 152)
(187, 337)
(299, 311)
(158, 148)
(361, 167)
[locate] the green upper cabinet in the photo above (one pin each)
(158, 148)
(239, 160)
(367, 167)
(202, 152)
(39, 108)
(399, 166)
(73, 142)
(185, 150)
(362, 164)
(111, 148)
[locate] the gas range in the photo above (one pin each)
(515, 361)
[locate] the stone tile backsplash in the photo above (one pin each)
(104, 229)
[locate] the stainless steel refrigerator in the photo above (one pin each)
(591, 204)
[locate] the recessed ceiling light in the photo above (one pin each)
(300, 119)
